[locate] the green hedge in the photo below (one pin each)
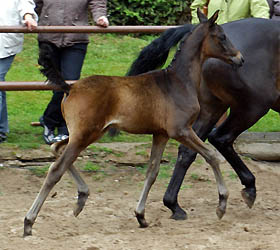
(149, 12)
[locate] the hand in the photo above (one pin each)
(29, 21)
(102, 21)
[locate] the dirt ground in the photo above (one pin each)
(107, 221)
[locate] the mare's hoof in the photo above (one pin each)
(141, 220)
(249, 196)
(179, 215)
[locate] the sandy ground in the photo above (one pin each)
(108, 222)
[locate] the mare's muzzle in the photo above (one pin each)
(237, 60)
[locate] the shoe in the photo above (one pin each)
(62, 134)
(60, 137)
(48, 134)
(3, 137)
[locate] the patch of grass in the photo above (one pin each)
(98, 149)
(142, 168)
(199, 161)
(172, 160)
(165, 171)
(99, 177)
(195, 176)
(105, 150)
(232, 175)
(39, 171)
(186, 186)
(91, 167)
(142, 153)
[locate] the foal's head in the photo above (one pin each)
(216, 44)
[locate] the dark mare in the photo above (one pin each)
(249, 92)
(163, 103)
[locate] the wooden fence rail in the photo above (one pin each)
(27, 86)
(86, 29)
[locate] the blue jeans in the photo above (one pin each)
(5, 64)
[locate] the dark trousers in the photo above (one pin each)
(69, 61)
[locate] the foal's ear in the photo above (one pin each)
(214, 18)
(202, 18)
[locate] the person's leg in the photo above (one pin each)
(5, 64)
(72, 59)
(50, 119)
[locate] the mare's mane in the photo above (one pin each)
(179, 49)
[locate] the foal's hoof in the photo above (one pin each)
(220, 212)
(79, 206)
(141, 220)
(249, 196)
(77, 209)
(27, 228)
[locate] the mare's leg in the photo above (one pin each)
(192, 141)
(159, 143)
(224, 136)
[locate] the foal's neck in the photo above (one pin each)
(188, 59)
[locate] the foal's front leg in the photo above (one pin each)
(55, 173)
(159, 143)
(192, 141)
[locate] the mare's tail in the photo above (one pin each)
(50, 68)
(156, 53)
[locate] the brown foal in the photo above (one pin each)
(162, 103)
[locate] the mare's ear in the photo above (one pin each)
(202, 18)
(214, 18)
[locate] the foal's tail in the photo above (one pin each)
(50, 68)
(156, 53)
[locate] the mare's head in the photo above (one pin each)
(215, 43)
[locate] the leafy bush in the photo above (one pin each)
(147, 12)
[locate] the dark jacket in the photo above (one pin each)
(67, 13)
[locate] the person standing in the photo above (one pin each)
(68, 51)
(230, 10)
(12, 13)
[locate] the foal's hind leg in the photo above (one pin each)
(83, 191)
(159, 143)
(55, 173)
(191, 140)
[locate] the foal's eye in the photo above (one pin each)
(223, 37)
